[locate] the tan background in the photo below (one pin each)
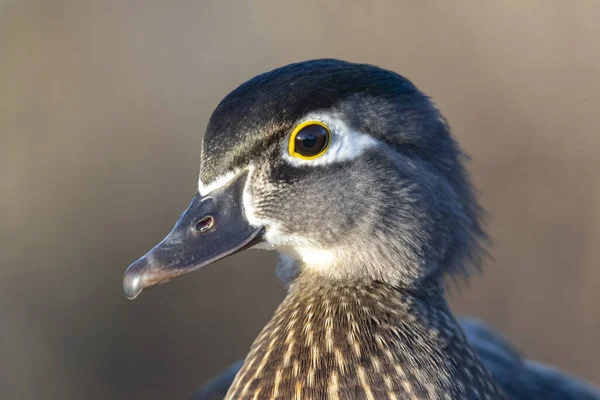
(102, 109)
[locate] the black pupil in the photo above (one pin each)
(311, 140)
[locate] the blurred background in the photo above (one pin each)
(102, 109)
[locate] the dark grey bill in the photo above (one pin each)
(214, 226)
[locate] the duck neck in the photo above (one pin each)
(363, 340)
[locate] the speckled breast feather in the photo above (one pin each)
(361, 342)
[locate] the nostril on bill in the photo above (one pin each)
(205, 224)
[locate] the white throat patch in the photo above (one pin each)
(291, 246)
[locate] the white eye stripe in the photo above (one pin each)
(345, 145)
(220, 181)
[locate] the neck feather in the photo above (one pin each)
(369, 340)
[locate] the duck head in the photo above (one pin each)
(347, 170)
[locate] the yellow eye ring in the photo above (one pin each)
(309, 140)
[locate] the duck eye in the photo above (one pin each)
(309, 140)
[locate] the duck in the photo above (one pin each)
(353, 176)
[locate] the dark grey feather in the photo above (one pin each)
(521, 378)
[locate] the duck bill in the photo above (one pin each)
(213, 227)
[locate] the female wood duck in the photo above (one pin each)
(352, 175)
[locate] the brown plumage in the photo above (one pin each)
(361, 341)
